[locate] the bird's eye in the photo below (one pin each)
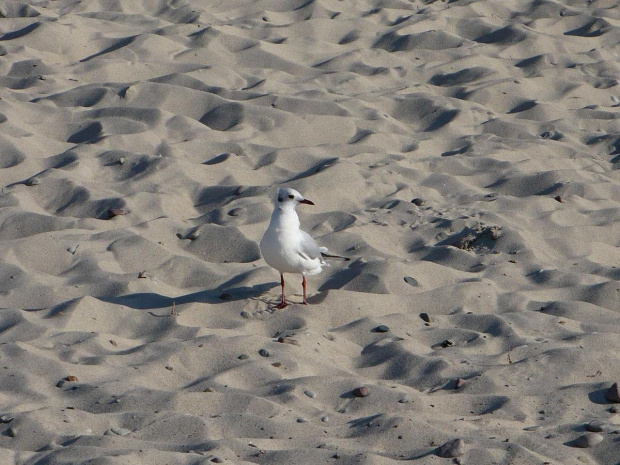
(291, 197)
(280, 199)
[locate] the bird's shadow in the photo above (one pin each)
(219, 295)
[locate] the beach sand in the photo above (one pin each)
(463, 154)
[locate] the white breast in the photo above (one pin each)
(281, 246)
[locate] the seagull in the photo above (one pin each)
(286, 247)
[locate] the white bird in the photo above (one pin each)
(286, 247)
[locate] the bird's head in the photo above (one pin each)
(287, 197)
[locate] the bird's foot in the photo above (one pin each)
(305, 302)
(282, 305)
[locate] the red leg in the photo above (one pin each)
(303, 283)
(283, 303)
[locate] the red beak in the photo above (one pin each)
(306, 201)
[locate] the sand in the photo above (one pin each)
(463, 154)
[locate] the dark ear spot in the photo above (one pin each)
(291, 196)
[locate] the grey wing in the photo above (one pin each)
(309, 247)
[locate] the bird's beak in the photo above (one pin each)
(306, 201)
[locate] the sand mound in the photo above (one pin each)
(463, 154)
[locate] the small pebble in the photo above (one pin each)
(121, 161)
(459, 383)
(411, 281)
(425, 317)
(451, 449)
(6, 418)
(588, 440)
(276, 364)
(33, 182)
(362, 391)
(263, 353)
(302, 420)
(559, 199)
(71, 379)
(245, 314)
(310, 394)
(217, 460)
(169, 368)
(243, 357)
(209, 389)
(614, 409)
(73, 249)
(12, 432)
(613, 393)
(235, 212)
(447, 343)
(288, 340)
(382, 329)
(418, 201)
(325, 419)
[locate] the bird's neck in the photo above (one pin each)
(285, 217)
